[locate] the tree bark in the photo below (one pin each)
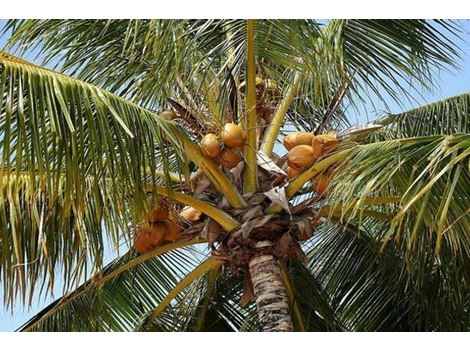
(270, 294)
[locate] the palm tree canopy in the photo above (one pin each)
(86, 152)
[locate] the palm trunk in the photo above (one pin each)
(270, 294)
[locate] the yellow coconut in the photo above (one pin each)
(292, 172)
(259, 83)
(301, 157)
(323, 143)
(271, 85)
(173, 230)
(298, 138)
(149, 238)
(168, 115)
(160, 213)
(233, 135)
(191, 214)
(210, 145)
(320, 184)
(230, 157)
(142, 242)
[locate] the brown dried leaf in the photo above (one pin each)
(268, 164)
(253, 213)
(247, 290)
(199, 183)
(281, 248)
(305, 229)
(278, 196)
(248, 226)
(256, 199)
(213, 231)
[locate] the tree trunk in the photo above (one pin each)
(270, 294)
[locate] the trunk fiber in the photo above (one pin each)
(270, 294)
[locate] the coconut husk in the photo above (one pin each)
(301, 157)
(323, 143)
(298, 138)
(168, 115)
(191, 214)
(233, 136)
(158, 214)
(149, 237)
(320, 184)
(292, 172)
(173, 230)
(230, 158)
(211, 145)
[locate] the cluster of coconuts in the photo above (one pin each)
(224, 147)
(160, 230)
(265, 91)
(304, 149)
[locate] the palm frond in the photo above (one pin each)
(445, 117)
(312, 303)
(117, 303)
(430, 174)
(76, 162)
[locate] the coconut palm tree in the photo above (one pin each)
(129, 121)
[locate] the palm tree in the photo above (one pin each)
(109, 135)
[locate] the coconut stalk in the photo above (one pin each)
(307, 175)
(222, 218)
(275, 125)
(210, 169)
(270, 294)
(250, 171)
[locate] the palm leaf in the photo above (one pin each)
(117, 297)
(445, 117)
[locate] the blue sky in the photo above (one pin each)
(450, 84)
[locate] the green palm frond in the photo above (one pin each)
(445, 117)
(123, 56)
(378, 289)
(75, 164)
(313, 303)
(210, 303)
(431, 176)
(118, 302)
(142, 59)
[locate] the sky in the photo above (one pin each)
(451, 84)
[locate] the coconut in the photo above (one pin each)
(266, 112)
(230, 157)
(191, 214)
(320, 184)
(168, 115)
(172, 230)
(232, 135)
(301, 157)
(292, 172)
(142, 243)
(259, 83)
(271, 85)
(160, 213)
(149, 238)
(298, 138)
(210, 145)
(323, 143)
